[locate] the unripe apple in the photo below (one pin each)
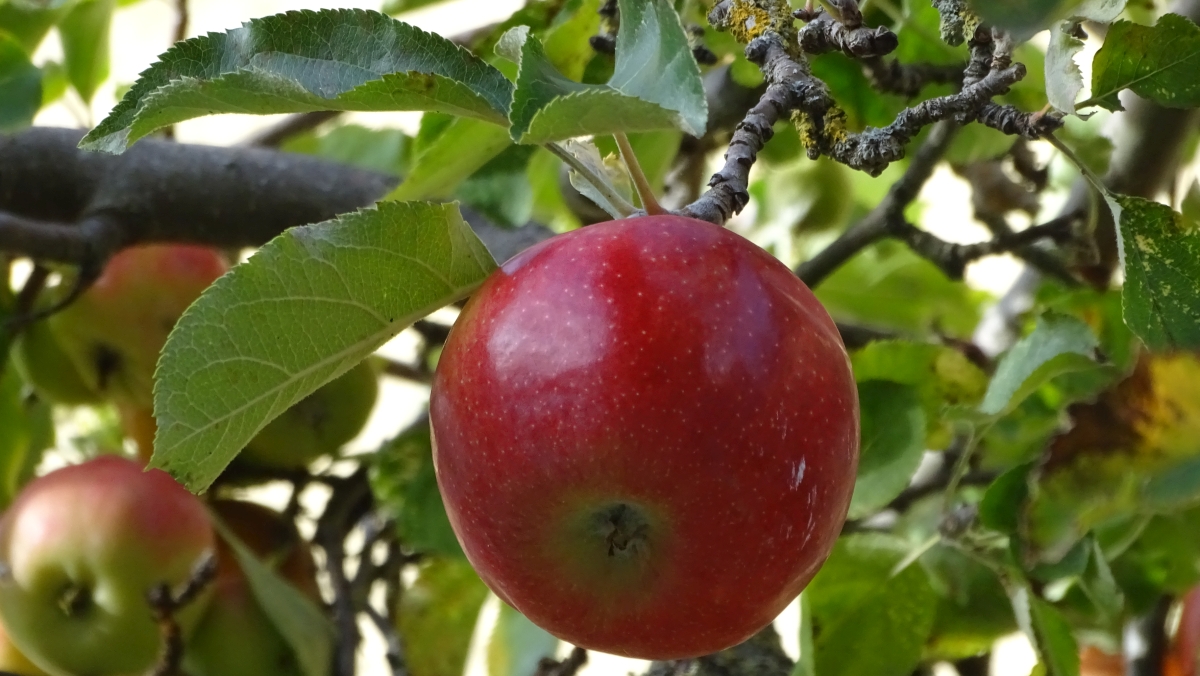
(317, 425)
(79, 550)
(235, 637)
(646, 435)
(114, 332)
(46, 366)
(13, 661)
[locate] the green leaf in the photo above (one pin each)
(460, 150)
(1159, 63)
(877, 286)
(1023, 17)
(299, 620)
(1064, 79)
(1059, 344)
(306, 308)
(85, 36)
(893, 442)
(1000, 508)
(1049, 631)
(26, 430)
(28, 23)
(398, 6)
(1161, 253)
(655, 85)
(610, 170)
(20, 86)
(943, 377)
(857, 601)
(405, 486)
(437, 616)
(500, 189)
(304, 61)
(382, 150)
(516, 644)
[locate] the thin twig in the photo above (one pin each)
(645, 190)
(165, 603)
(417, 374)
(875, 225)
(391, 638)
(568, 667)
(350, 501)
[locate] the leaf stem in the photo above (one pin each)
(1091, 176)
(598, 182)
(645, 191)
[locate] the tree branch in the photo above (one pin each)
(793, 90)
(953, 258)
(875, 225)
(59, 203)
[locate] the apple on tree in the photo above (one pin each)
(43, 363)
(13, 661)
(114, 332)
(317, 425)
(646, 435)
(235, 637)
(79, 550)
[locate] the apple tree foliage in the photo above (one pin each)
(1031, 464)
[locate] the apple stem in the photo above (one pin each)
(645, 192)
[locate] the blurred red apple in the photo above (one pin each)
(79, 550)
(114, 332)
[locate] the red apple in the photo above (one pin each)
(79, 550)
(235, 637)
(646, 436)
(115, 331)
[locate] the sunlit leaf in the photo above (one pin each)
(85, 37)
(655, 85)
(857, 601)
(1161, 253)
(1060, 344)
(1133, 451)
(516, 645)
(437, 616)
(305, 309)
(305, 61)
(1160, 62)
(893, 442)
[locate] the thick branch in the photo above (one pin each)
(793, 90)
(893, 77)
(171, 192)
(824, 34)
(789, 83)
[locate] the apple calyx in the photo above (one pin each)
(624, 530)
(76, 600)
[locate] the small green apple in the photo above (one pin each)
(319, 424)
(79, 550)
(41, 360)
(13, 661)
